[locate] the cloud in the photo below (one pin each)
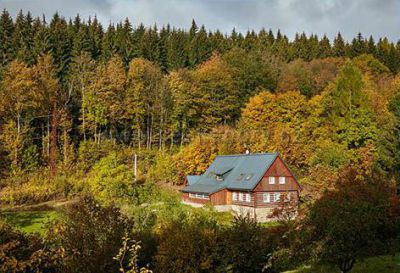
(370, 17)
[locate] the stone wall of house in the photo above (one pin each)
(261, 215)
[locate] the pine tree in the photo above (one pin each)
(339, 47)
(23, 38)
(41, 38)
(7, 49)
(108, 45)
(61, 45)
(95, 36)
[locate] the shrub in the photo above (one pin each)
(111, 179)
(20, 253)
(90, 152)
(90, 235)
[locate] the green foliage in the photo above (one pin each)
(111, 179)
(90, 152)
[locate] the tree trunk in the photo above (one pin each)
(138, 138)
(17, 147)
(65, 146)
(151, 131)
(53, 142)
(48, 136)
(346, 265)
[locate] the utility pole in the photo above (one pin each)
(135, 172)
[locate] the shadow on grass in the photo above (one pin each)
(30, 221)
(378, 264)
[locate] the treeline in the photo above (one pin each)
(170, 48)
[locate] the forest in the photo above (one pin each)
(78, 100)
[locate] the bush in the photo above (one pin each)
(20, 253)
(111, 179)
(90, 152)
(91, 235)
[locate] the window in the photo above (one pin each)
(282, 180)
(266, 197)
(198, 195)
(219, 177)
(240, 196)
(248, 197)
(271, 180)
(277, 197)
(234, 196)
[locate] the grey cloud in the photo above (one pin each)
(370, 17)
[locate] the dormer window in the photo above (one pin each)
(219, 178)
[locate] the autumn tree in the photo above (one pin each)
(187, 103)
(143, 94)
(82, 74)
(215, 82)
(19, 93)
(353, 221)
(104, 98)
(52, 99)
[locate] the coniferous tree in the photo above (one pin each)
(7, 50)
(339, 47)
(61, 45)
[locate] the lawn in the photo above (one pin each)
(379, 264)
(30, 221)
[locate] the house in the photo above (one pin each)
(253, 184)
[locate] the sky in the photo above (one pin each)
(370, 17)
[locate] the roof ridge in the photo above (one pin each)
(245, 155)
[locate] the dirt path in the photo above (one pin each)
(49, 205)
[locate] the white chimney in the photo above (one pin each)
(247, 151)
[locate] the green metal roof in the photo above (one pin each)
(236, 172)
(192, 179)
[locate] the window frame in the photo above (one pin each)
(266, 197)
(234, 196)
(282, 180)
(199, 196)
(271, 180)
(240, 196)
(248, 197)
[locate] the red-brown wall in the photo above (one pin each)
(219, 197)
(277, 169)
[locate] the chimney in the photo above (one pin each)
(247, 151)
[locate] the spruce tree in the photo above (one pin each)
(339, 47)
(7, 47)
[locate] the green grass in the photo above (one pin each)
(30, 221)
(379, 264)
